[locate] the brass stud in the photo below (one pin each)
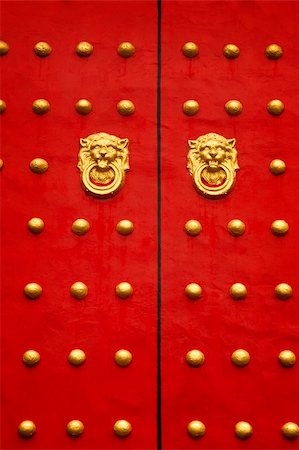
(39, 165)
(290, 430)
(193, 291)
(279, 227)
(233, 107)
(31, 358)
(36, 225)
(195, 358)
(40, 106)
(42, 49)
(190, 49)
(125, 107)
(275, 107)
(84, 48)
(196, 429)
(4, 48)
(190, 107)
(283, 291)
(27, 429)
(243, 430)
(236, 227)
(124, 290)
(122, 428)
(193, 227)
(79, 290)
(123, 357)
(76, 357)
(2, 106)
(1, 163)
(277, 167)
(83, 106)
(231, 51)
(125, 227)
(33, 290)
(287, 358)
(273, 51)
(80, 227)
(75, 428)
(126, 49)
(238, 291)
(240, 357)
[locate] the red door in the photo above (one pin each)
(165, 396)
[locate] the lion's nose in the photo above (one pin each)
(103, 152)
(213, 152)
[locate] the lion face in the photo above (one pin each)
(103, 153)
(213, 153)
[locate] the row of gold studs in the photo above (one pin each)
(195, 428)
(125, 227)
(127, 49)
(127, 107)
(193, 291)
(40, 165)
(193, 358)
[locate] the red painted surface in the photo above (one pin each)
(99, 392)
(218, 393)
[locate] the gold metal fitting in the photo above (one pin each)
(231, 51)
(233, 107)
(243, 430)
(4, 48)
(33, 290)
(236, 227)
(27, 429)
(38, 165)
(195, 358)
(2, 106)
(1, 163)
(190, 107)
(125, 227)
(122, 428)
(277, 167)
(279, 227)
(75, 428)
(190, 49)
(40, 106)
(42, 49)
(283, 291)
(275, 107)
(125, 107)
(273, 51)
(80, 227)
(126, 49)
(79, 290)
(196, 429)
(36, 225)
(124, 290)
(76, 357)
(287, 358)
(84, 48)
(83, 106)
(193, 227)
(193, 291)
(238, 291)
(123, 357)
(290, 430)
(31, 358)
(240, 357)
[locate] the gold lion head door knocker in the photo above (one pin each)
(212, 162)
(103, 161)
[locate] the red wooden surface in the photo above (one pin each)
(218, 393)
(99, 392)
